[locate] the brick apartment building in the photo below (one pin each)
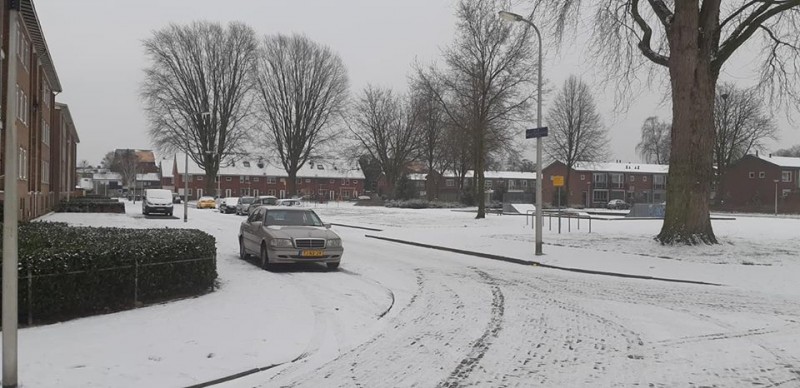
(497, 184)
(594, 184)
(320, 180)
(46, 136)
(754, 182)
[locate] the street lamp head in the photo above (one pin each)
(510, 16)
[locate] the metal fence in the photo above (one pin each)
(136, 289)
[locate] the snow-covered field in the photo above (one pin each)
(398, 315)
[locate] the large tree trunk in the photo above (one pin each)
(687, 219)
(291, 184)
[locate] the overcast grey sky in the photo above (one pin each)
(97, 51)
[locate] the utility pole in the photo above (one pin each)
(186, 186)
(11, 211)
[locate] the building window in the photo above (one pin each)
(762, 174)
(644, 178)
(271, 192)
(600, 196)
(320, 167)
(632, 178)
(255, 179)
(271, 180)
(45, 132)
(45, 171)
(23, 163)
(785, 192)
(299, 180)
(583, 177)
(241, 178)
(227, 179)
(246, 164)
(659, 182)
(617, 181)
(786, 176)
(332, 181)
(523, 183)
(487, 184)
(308, 180)
(751, 175)
(199, 177)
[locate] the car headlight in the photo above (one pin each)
(281, 243)
(335, 243)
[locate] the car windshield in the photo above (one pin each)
(269, 201)
(246, 200)
(292, 218)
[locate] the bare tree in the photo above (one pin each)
(576, 129)
(108, 160)
(742, 126)
(198, 91)
(432, 122)
(790, 152)
(302, 89)
(655, 144)
(385, 126)
(486, 87)
(125, 162)
(692, 40)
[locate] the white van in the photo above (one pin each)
(157, 201)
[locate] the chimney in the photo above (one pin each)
(756, 153)
(770, 155)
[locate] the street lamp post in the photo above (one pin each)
(776, 195)
(517, 18)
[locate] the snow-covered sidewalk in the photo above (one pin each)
(758, 253)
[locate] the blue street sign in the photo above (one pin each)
(535, 132)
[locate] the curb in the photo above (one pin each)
(536, 263)
(358, 227)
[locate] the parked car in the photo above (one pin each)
(289, 235)
(289, 202)
(176, 198)
(618, 204)
(228, 205)
(268, 200)
(206, 203)
(244, 203)
(157, 201)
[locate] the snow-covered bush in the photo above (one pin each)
(91, 205)
(422, 204)
(78, 271)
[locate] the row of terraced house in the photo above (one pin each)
(46, 135)
(755, 183)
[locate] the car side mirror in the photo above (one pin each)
(326, 225)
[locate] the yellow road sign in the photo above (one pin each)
(558, 180)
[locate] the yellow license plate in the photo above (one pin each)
(312, 253)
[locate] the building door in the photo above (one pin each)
(227, 193)
(199, 193)
(283, 194)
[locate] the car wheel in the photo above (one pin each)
(264, 258)
(332, 266)
(242, 251)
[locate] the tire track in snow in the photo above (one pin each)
(482, 344)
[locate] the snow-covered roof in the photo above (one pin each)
(622, 167)
(166, 167)
(327, 169)
(505, 175)
(106, 176)
(150, 176)
(782, 161)
(417, 177)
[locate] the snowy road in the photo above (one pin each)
(399, 316)
(461, 321)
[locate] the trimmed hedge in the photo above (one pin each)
(91, 205)
(422, 204)
(80, 271)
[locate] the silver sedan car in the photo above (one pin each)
(289, 235)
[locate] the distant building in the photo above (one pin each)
(594, 184)
(317, 179)
(753, 182)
